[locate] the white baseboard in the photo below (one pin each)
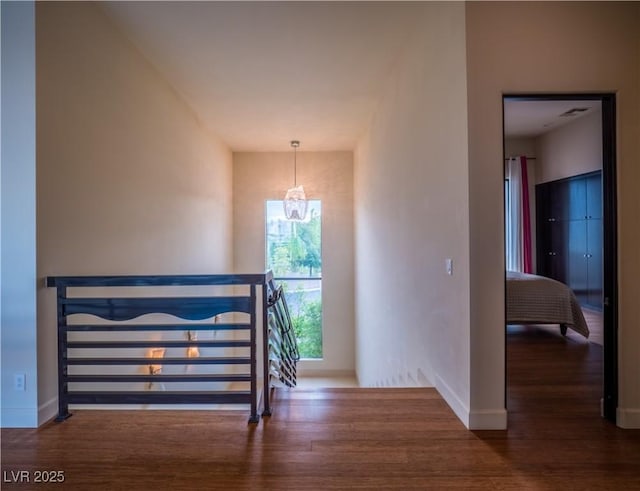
(451, 398)
(628, 418)
(488, 419)
(485, 419)
(47, 411)
(12, 417)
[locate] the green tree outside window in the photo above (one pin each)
(294, 252)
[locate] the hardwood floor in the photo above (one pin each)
(595, 322)
(351, 438)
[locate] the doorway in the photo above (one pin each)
(546, 114)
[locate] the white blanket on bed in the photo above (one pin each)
(533, 299)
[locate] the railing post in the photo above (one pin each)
(254, 418)
(265, 349)
(63, 389)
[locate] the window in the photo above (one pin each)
(294, 253)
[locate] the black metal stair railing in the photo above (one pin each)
(282, 346)
(235, 366)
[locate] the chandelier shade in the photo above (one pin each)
(295, 201)
(295, 204)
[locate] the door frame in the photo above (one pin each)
(609, 235)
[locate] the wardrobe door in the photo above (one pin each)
(570, 234)
(594, 196)
(552, 232)
(594, 263)
(542, 234)
(557, 254)
(577, 198)
(558, 196)
(594, 240)
(578, 276)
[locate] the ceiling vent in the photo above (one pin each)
(574, 112)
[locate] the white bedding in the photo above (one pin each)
(533, 299)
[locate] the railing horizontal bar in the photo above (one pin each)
(280, 352)
(165, 397)
(159, 361)
(280, 370)
(214, 377)
(282, 358)
(158, 343)
(296, 278)
(274, 336)
(283, 367)
(126, 308)
(157, 280)
(156, 327)
(115, 301)
(276, 382)
(282, 378)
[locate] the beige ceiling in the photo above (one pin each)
(528, 119)
(259, 74)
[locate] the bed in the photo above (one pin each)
(533, 299)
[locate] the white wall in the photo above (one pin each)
(411, 182)
(595, 49)
(572, 149)
(327, 176)
(514, 146)
(18, 215)
(129, 182)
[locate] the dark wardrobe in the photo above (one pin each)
(569, 234)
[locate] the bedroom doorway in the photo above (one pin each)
(549, 160)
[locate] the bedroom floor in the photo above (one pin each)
(553, 378)
(594, 321)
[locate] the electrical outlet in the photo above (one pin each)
(19, 382)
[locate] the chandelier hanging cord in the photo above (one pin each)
(295, 144)
(295, 202)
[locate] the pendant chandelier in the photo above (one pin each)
(295, 201)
